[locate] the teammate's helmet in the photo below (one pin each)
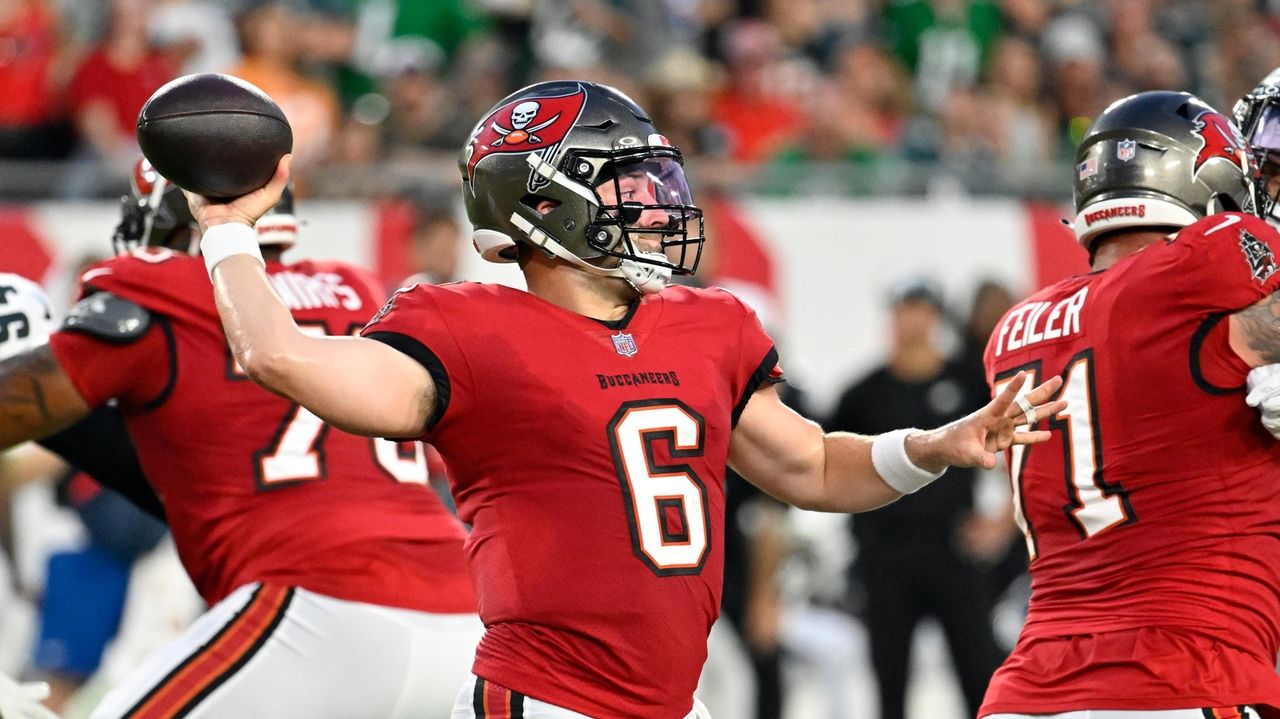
(598, 157)
(26, 315)
(279, 226)
(1160, 159)
(154, 213)
(1258, 117)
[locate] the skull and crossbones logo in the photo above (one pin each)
(520, 130)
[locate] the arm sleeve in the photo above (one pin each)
(757, 361)
(99, 446)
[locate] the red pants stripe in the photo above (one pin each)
(218, 659)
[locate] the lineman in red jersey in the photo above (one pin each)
(1153, 522)
(334, 576)
(587, 422)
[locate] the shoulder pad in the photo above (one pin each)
(107, 317)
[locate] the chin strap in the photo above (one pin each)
(647, 279)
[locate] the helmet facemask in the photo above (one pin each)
(1258, 115)
(153, 214)
(645, 219)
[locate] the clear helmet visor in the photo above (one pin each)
(1265, 139)
(1266, 135)
(647, 204)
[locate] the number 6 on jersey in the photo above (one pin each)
(666, 505)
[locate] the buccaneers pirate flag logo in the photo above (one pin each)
(523, 126)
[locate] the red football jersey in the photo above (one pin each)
(256, 488)
(589, 458)
(1153, 515)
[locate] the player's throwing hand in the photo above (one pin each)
(973, 441)
(245, 209)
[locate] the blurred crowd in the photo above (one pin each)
(810, 96)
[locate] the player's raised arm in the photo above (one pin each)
(792, 459)
(355, 384)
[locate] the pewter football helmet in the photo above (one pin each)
(613, 179)
(155, 213)
(1160, 159)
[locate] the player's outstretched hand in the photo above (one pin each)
(973, 441)
(22, 701)
(246, 208)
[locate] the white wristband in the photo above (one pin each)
(889, 456)
(229, 238)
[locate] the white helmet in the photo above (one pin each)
(26, 315)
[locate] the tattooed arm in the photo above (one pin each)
(36, 397)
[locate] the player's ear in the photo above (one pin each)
(543, 205)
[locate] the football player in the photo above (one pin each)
(1258, 116)
(587, 422)
(335, 577)
(26, 318)
(1153, 521)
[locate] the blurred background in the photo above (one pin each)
(882, 179)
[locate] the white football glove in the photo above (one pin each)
(22, 701)
(1264, 393)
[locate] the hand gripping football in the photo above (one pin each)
(214, 135)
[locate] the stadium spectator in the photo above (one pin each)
(1023, 125)
(754, 106)
(32, 125)
(1077, 79)
(272, 50)
(852, 132)
(197, 35)
(391, 33)
(108, 90)
(945, 44)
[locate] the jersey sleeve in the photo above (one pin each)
(414, 323)
(757, 363)
(1228, 263)
(165, 282)
(139, 374)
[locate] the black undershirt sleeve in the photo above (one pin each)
(99, 446)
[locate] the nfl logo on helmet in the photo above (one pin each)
(1126, 149)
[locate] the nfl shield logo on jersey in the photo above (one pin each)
(624, 344)
(1126, 149)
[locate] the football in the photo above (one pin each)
(214, 135)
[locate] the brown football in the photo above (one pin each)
(214, 135)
